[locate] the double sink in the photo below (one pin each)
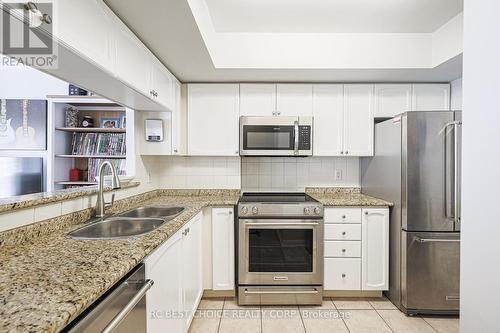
(135, 222)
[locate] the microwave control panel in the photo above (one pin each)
(304, 137)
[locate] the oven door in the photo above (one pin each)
(280, 252)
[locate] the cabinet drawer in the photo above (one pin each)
(342, 231)
(342, 274)
(343, 249)
(343, 215)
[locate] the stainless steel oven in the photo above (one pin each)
(276, 136)
(280, 249)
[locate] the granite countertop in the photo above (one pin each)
(345, 197)
(48, 279)
(42, 198)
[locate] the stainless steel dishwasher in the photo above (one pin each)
(121, 310)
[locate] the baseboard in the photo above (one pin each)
(209, 293)
(352, 293)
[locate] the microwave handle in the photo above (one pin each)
(296, 137)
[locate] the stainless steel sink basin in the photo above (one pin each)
(116, 227)
(154, 211)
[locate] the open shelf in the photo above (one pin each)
(93, 156)
(91, 129)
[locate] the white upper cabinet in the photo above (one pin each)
(133, 60)
(375, 249)
(392, 99)
(358, 119)
(431, 97)
(162, 85)
(257, 99)
(213, 119)
(294, 99)
(87, 27)
(328, 112)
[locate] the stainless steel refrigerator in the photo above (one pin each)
(417, 166)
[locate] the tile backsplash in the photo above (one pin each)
(294, 174)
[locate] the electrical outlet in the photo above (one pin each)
(338, 174)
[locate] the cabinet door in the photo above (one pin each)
(191, 267)
(223, 248)
(375, 249)
(162, 84)
(431, 97)
(164, 267)
(177, 129)
(342, 274)
(328, 112)
(294, 100)
(87, 27)
(358, 120)
(133, 60)
(213, 119)
(392, 99)
(257, 99)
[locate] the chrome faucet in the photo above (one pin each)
(101, 204)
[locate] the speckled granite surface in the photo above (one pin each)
(47, 278)
(345, 196)
(42, 198)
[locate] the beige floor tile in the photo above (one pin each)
(323, 321)
(231, 303)
(382, 303)
(204, 325)
(277, 319)
(444, 324)
(327, 304)
(400, 323)
(241, 321)
(365, 321)
(352, 303)
(211, 303)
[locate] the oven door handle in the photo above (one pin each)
(279, 224)
(259, 292)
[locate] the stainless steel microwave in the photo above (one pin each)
(276, 136)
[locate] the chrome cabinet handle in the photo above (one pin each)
(343, 233)
(343, 216)
(343, 276)
(343, 250)
(127, 308)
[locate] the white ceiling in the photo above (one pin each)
(169, 29)
(332, 16)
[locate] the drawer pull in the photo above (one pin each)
(343, 276)
(343, 250)
(343, 216)
(343, 233)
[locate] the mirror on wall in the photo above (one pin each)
(54, 135)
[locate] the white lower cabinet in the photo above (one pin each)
(175, 268)
(356, 249)
(222, 249)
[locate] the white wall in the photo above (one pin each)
(480, 256)
(294, 174)
(456, 94)
(177, 172)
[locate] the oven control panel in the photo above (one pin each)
(270, 210)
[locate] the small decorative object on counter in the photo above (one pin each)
(77, 91)
(71, 119)
(87, 121)
(75, 175)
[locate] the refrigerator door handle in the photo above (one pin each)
(456, 173)
(449, 179)
(435, 240)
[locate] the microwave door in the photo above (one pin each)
(268, 140)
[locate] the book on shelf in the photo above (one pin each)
(95, 163)
(110, 144)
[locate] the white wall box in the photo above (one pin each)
(328, 112)
(163, 147)
(358, 119)
(294, 99)
(192, 267)
(431, 97)
(257, 99)
(392, 99)
(375, 249)
(222, 249)
(213, 119)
